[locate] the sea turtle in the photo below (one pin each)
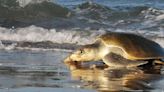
(118, 49)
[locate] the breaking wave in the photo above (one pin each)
(88, 14)
(38, 37)
(12, 14)
(47, 25)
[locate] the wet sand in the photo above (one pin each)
(44, 71)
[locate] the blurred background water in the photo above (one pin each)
(36, 35)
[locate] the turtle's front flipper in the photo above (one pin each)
(115, 60)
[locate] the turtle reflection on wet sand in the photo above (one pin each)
(119, 80)
(118, 49)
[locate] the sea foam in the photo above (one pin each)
(38, 34)
(34, 34)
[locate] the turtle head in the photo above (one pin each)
(84, 53)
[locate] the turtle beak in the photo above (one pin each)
(73, 57)
(69, 62)
(70, 58)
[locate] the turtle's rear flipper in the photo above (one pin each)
(160, 61)
(115, 60)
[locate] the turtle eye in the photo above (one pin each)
(81, 51)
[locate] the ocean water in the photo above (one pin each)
(36, 36)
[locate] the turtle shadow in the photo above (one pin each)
(133, 79)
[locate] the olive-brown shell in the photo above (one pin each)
(136, 47)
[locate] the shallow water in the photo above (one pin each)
(35, 71)
(44, 71)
